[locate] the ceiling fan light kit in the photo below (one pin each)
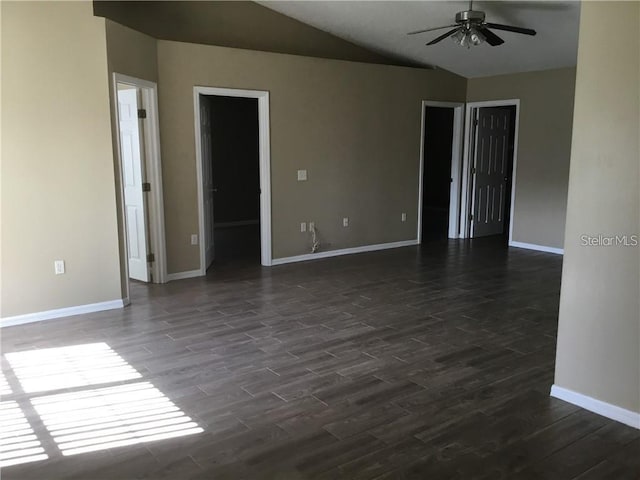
(468, 37)
(472, 30)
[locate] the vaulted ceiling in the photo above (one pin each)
(234, 24)
(382, 26)
(364, 31)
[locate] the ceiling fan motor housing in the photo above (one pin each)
(470, 16)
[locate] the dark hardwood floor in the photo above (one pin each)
(431, 362)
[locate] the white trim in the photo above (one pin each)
(265, 166)
(619, 414)
(182, 275)
(423, 111)
(344, 251)
(153, 166)
(514, 166)
(540, 248)
(467, 200)
(60, 312)
(456, 159)
(464, 187)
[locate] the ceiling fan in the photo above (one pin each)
(471, 29)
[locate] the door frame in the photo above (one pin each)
(456, 164)
(153, 170)
(264, 162)
(467, 181)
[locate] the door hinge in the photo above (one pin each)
(471, 216)
(473, 171)
(146, 187)
(151, 258)
(142, 113)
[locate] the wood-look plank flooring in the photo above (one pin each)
(431, 362)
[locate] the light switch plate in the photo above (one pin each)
(303, 227)
(302, 175)
(194, 239)
(345, 222)
(404, 217)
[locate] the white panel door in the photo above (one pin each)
(491, 170)
(207, 178)
(132, 178)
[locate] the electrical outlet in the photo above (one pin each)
(404, 217)
(302, 175)
(312, 226)
(194, 239)
(58, 266)
(345, 222)
(303, 227)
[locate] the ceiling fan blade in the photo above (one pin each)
(492, 39)
(442, 37)
(509, 28)
(430, 29)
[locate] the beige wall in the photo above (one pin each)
(134, 54)
(599, 330)
(355, 127)
(131, 53)
(544, 147)
(58, 197)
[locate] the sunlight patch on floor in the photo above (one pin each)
(110, 417)
(66, 367)
(5, 388)
(18, 442)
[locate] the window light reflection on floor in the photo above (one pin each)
(103, 418)
(84, 419)
(18, 442)
(5, 389)
(66, 367)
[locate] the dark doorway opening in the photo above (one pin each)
(236, 178)
(436, 172)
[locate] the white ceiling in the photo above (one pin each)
(382, 25)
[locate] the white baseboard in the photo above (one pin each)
(540, 248)
(343, 251)
(182, 275)
(60, 312)
(605, 409)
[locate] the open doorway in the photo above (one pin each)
(140, 179)
(440, 164)
(490, 168)
(232, 149)
(235, 170)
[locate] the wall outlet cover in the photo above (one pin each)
(58, 266)
(302, 175)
